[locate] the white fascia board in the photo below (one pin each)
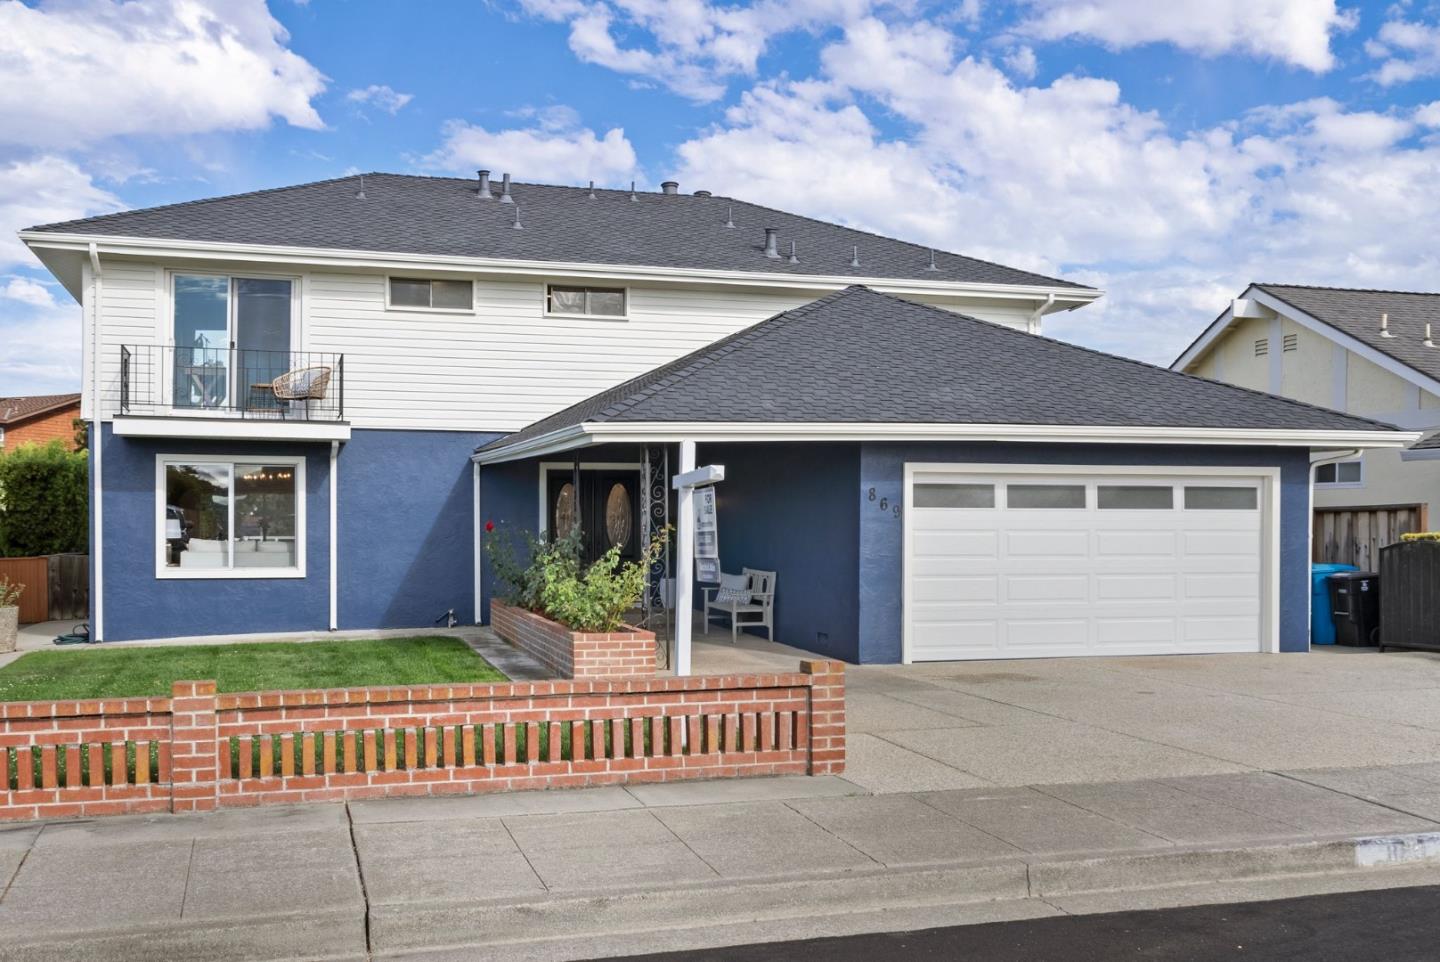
(230, 429)
(1213, 333)
(1354, 345)
(373, 260)
(666, 431)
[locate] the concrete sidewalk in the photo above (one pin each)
(581, 874)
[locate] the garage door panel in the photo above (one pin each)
(1052, 581)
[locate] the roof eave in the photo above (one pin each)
(651, 432)
(39, 240)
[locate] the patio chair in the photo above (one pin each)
(748, 598)
(302, 384)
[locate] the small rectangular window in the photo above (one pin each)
(1045, 495)
(587, 301)
(1262, 346)
(1345, 472)
(1136, 497)
(1199, 498)
(1290, 342)
(432, 294)
(954, 495)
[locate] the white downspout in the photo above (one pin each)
(475, 534)
(1315, 463)
(684, 561)
(97, 444)
(1033, 325)
(334, 536)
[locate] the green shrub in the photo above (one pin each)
(1421, 536)
(10, 593)
(552, 582)
(44, 505)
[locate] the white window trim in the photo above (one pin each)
(545, 300)
(1342, 485)
(1266, 479)
(164, 572)
(389, 306)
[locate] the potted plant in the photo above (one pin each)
(9, 613)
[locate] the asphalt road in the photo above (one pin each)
(1393, 925)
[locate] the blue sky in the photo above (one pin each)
(1168, 153)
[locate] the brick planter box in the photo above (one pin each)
(575, 654)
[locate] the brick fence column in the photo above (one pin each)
(827, 716)
(194, 749)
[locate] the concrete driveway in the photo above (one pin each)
(1039, 722)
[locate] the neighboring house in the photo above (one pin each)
(289, 388)
(1365, 352)
(38, 419)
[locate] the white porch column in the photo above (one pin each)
(684, 561)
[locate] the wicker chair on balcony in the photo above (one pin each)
(303, 385)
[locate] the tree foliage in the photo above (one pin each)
(44, 503)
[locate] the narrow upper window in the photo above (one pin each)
(1345, 472)
(592, 301)
(432, 294)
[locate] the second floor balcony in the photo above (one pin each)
(226, 392)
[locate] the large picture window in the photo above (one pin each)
(230, 517)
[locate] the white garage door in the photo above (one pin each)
(1031, 565)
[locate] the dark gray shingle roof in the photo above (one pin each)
(1432, 443)
(861, 356)
(442, 216)
(1357, 313)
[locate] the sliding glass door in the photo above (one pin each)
(232, 338)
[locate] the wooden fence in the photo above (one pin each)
(57, 587)
(198, 750)
(1354, 536)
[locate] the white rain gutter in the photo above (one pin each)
(1324, 457)
(1033, 325)
(334, 536)
(97, 444)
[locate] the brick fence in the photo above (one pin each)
(199, 750)
(575, 654)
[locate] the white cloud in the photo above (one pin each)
(77, 71)
(27, 291)
(556, 149)
(1022, 63)
(1410, 50)
(1070, 177)
(1296, 32)
(42, 353)
(692, 46)
(381, 97)
(40, 191)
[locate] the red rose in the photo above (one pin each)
(489, 526)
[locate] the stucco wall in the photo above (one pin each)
(404, 549)
(882, 534)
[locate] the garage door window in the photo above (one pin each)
(1134, 497)
(954, 495)
(1045, 495)
(1219, 499)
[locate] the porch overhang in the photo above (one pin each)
(577, 436)
(229, 429)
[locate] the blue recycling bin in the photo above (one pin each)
(1322, 628)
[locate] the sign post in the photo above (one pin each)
(686, 483)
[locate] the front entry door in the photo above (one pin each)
(607, 503)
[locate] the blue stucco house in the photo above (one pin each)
(309, 404)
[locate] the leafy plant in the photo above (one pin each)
(10, 593)
(44, 500)
(553, 583)
(1421, 536)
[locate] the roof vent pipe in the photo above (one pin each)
(484, 192)
(932, 266)
(772, 249)
(505, 197)
(592, 190)
(855, 257)
(702, 193)
(360, 194)
(633, 198)
(670, 187)
(730, 216)
(793, 258)
(1385, 326)
(516, 225)
(1429, 341)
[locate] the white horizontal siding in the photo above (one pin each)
(496, 369)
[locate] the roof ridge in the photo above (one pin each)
(1134, 361)
(1344, 290)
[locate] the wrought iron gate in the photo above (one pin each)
(657, 606)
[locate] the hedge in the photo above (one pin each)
(44, 507)
(1421, 536)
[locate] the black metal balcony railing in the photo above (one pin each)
(156, 379)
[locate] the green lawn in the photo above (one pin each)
(114, 670)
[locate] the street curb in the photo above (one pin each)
(418, 930)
